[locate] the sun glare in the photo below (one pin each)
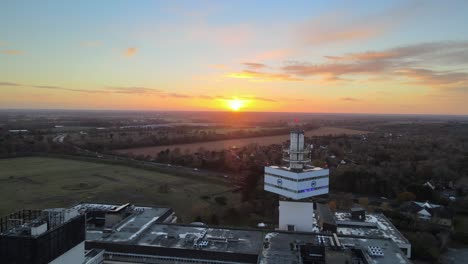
(235, 104)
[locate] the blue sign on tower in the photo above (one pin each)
(313, 184)
(279, 182)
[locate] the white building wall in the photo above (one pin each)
(312, 183)
(281, 182)
(312, 193)
(295, 175)
(284, 193)
(75, 255)
(299, 214)
(288, 183)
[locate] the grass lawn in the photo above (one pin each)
(37, 182)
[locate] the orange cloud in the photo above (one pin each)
(350, 34)
(249, 74)
(412, 61)
(253, 65)
(436, 79)
(273, 54)
(130, 52)
(350, 99)
(364, 56)
(339, 27)
(219, 66)
(454, 52)
(333, 70)
(178, 95)
(134, 90)
(9, 84)
(12, 52)
(264, 99)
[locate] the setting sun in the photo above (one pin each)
(235, 104)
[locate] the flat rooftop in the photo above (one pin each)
(141, 233)
(137, 220)
(391, 252)
(109, 207)
(279, 248)
(219, 239)
(142, 228)
(375, 225)
(130, 228)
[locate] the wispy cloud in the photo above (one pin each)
(350, 99)
(339, 27)
(134, 90)
(273, 54)
(130, 52)
(178, 95)
(417, 53)
(124, 90)
(250, 98)
(334, 70)
(377, 64)
(254, 66)
(264, 99)
(412, 61)
(340, 35)
(66, 89)
(263, 76)
(12, 52)
(9, 84)
(219, 66)
(363, 56)
(436, 78)
(207, 97)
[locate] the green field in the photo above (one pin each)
(37, 182)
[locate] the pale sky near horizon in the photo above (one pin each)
(305, 56)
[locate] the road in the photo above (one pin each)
(60, 139)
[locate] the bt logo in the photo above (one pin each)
(279, 182)
(313, 184)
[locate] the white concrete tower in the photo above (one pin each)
(295, 184)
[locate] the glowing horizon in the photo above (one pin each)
(363, 57)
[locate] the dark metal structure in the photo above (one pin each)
(18, 246)
(325, 218)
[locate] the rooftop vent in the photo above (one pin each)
(375, 251)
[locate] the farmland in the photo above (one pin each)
(225, 144)
(37, 182)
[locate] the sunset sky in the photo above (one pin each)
(288, 56)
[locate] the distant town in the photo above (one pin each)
(153, 187)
